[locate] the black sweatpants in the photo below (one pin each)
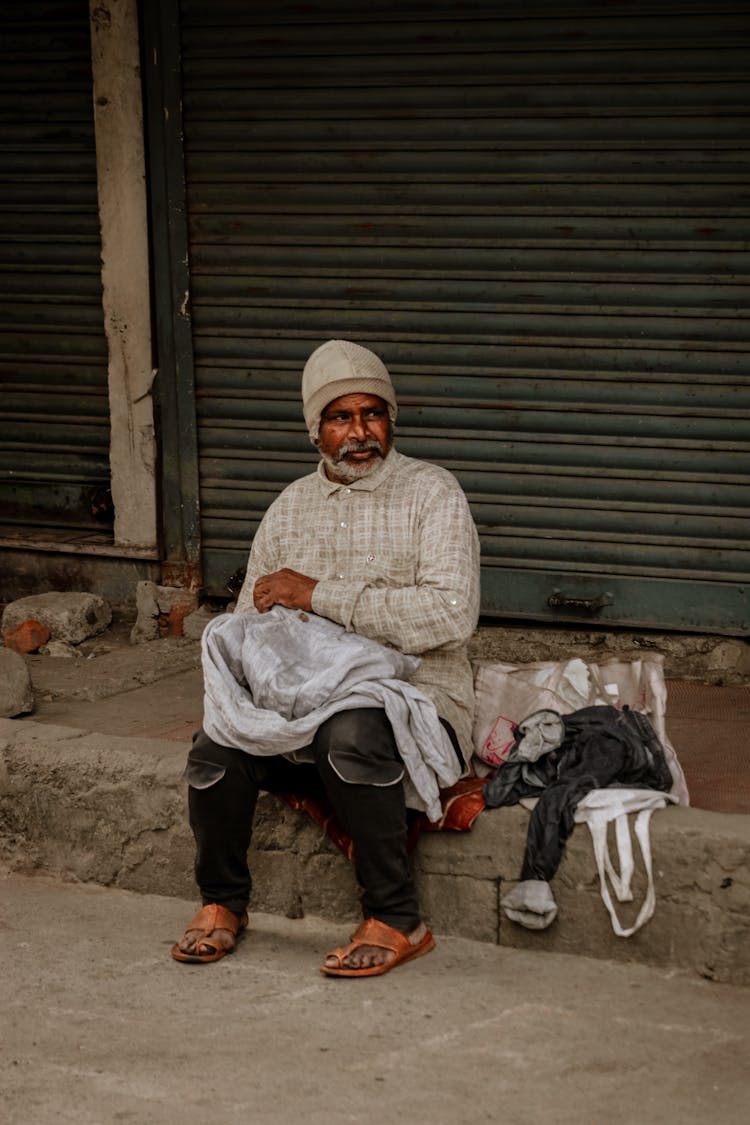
(357, 766)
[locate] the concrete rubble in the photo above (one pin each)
(161, 611)
(29, 636)
(60, 649)
(70, 617)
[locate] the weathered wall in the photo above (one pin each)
(687, 656)
(26, 572)
(125, 267)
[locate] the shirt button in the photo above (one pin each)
(371, 558)
(344, 523)
(341, 576)
(454, 601)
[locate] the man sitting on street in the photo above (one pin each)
(385, 546)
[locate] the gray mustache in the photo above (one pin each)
(359, 447)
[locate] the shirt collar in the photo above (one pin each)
(367, 483)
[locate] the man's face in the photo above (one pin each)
(355, 435)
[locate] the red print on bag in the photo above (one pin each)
(498, 743)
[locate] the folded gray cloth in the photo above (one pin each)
(531, 904)
(271, 679)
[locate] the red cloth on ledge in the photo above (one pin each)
(462, 804)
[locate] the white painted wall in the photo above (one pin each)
(121, 175)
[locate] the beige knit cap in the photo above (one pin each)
(338, 368)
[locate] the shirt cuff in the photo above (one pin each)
(336, 600)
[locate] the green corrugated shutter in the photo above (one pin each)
(54, 412)
(537, 214)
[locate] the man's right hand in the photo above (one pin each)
(284, 587)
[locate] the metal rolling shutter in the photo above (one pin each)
(54, 412)
(537, 214)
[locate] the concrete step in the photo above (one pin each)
(111, 809)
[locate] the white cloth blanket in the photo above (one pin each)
(271, 679)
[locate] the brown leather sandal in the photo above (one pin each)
(373, 932)
(210, 918)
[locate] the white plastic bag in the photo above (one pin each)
(506, 693)
(597, 809)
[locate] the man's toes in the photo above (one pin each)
(368, 958)
(195, 941)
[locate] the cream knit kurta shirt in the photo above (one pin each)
(396, 556)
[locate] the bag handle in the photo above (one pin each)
(621, 882)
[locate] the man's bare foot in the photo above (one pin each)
(193, 941)
(372, 956)
(210, 935)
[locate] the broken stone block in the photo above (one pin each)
(161, 611)
(69, 616)
(16, 693)
(146, 626)
(26, 637)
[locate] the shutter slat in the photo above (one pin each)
(539, 219)
(54, 412)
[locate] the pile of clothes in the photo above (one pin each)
(595, 764)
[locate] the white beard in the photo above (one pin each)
(345, 471)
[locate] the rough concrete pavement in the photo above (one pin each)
(99, 1026)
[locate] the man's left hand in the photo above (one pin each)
(284, 587)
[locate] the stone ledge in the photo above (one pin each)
(112, 810)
